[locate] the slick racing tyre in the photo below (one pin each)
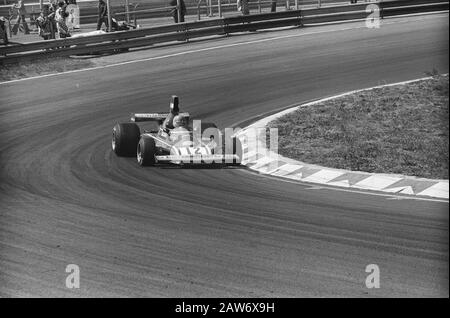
(125, 139)
(237, 150)
(204, 126)
(146, 150)
(208, 125)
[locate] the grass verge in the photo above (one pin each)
(401, 129)
(41, 67)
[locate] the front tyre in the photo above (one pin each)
(125, 138)
(146, 150)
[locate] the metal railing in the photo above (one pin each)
(219, 26)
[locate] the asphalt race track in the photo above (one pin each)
(66, 199)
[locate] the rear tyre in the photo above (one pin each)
(208, 125)
(125, 139)
(146, 150)
(237, 150)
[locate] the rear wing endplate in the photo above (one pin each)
(139, 117)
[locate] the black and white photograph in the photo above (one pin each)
(224, 156)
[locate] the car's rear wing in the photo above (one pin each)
(139, 117)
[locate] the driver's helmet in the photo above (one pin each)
(179, 121)
(180, 136)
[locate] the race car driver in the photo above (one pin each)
(180, 132)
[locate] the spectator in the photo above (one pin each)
(243, 7)
(42, 23)
(20, 22)
(273, 7)
(3, 33)
(102, 15)
(353, 1)
(60, 17)
(174, 11)
(46, 23)
(53, 6)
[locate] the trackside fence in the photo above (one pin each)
(144, 37)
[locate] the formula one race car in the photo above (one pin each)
(176, 140)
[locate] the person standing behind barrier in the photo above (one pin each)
(243, 7)
(60, 17)
(174, 11)
(46, 23)
(3, 33)
(42, 23)
(21, 12)
(273, 6)
(102, 14)
(52, 7)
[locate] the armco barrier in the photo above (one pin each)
(185, 31)
(393, 10)
(262, 21)
(112, 41)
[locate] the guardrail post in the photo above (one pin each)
(32, 18)
(300, 18)
(198, 9)
(109, 15)
(52, 32)
(10, 28)
(179, 10)
(134, 14)
(127, 10)
(210, 9)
